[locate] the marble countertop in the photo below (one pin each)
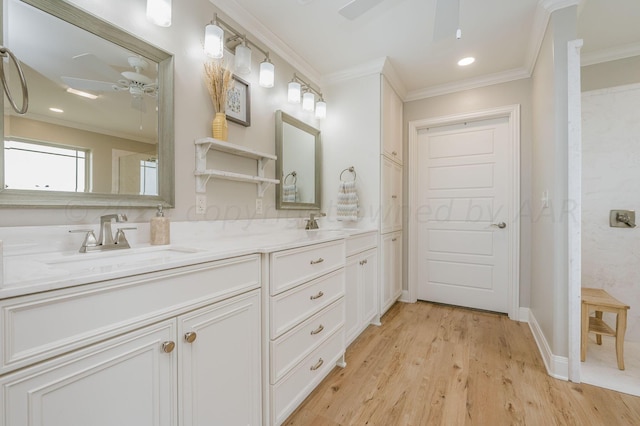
(32, 273)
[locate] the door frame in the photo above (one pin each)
(512, 113)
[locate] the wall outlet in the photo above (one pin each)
(201, 204)
(258, 205)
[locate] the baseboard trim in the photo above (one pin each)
(523, 315)
(557, 366)
(404, 297)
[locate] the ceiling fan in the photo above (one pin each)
(136, 83)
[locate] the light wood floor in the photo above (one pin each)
(431, 364)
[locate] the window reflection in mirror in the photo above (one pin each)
(298, 163)
(87, 94)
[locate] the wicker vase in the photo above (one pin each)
(219, 126)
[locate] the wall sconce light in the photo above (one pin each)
(243, 58)
(297, 85)
(214, 44)
(267, 73)
(159, 12)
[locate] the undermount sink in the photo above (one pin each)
(121, 258)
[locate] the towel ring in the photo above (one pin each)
(349, 169)
(294, 175)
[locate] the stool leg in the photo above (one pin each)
(621, 328)
(599, 336)
(585, 332)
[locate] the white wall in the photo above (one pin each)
(351, 137)
(611, 180)
(549, 261)
(193, 115)
(515, 92)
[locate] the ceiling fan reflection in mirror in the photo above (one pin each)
(135, 82)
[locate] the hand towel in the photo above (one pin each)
(289, 193)
(348, 207)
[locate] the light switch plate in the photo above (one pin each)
(617, 218)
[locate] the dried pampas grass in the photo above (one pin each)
(219, 79)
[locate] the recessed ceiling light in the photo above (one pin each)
(55, 110)
(81, 93)
(466, 61)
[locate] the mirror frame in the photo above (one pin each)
(282, 118)
(166, 163)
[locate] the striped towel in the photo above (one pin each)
(347, 201)
(289, 193)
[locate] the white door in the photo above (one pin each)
(463, 196)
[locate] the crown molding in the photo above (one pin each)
(377, 66)
(473, 83)
(613, 54)
(273, 43)
(552, 5)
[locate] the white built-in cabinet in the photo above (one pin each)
(391, 253)
(391, 189)
(179, 347)
(305, 313)
(361, 284)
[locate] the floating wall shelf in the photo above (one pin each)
(203, 174)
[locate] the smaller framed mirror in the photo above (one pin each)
(299, 164)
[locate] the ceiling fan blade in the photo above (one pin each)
(355, 8)
(91, 62)
(83, 84)
(446, 20)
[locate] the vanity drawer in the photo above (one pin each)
(361, 242)
(290, 348)
(290, 268)
(289, 392)
(290, 308)
(43, 325)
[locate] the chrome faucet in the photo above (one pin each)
(312, 222)
(106, 240)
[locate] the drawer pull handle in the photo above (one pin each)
(394, 196)
(317, 296)
(314, 262)
(168, 346)
(318, 364)
(317, 330)
(363, 262)
(394, 239)
(190, 337)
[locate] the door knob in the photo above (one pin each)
(190, 337)
(168, 347)
(500, 225)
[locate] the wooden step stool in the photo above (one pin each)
(599, 300)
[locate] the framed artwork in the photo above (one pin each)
(239, 102)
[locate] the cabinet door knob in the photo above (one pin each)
(317, 330)
(318, 365)
(168, 346)
(394, 239)
(190, 336)
(394, 153)
(317, 296)
(394, 196)
(320, 260)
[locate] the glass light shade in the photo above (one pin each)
(308, 101)
(159, 12)
(213, 41)
(293, 92)
(321, 109)
(243, 59)
(267, 74)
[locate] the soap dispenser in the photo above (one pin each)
(160, 228)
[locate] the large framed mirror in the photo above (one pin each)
(299, 164)
(99, 129)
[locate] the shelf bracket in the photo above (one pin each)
(201, 183)
(201, 155)
(262, 188)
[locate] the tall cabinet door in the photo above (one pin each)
(128, 380)
(219, 370)
(352, 297)
(391, 122)
(391, 196)
(369, 277)
(391, 269)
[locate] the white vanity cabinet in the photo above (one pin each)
(176, 347)
(361, 284)
(391, 271)
(306, 322)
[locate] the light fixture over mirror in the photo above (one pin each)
(113, 142)
(298, 88)
(215, 43)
